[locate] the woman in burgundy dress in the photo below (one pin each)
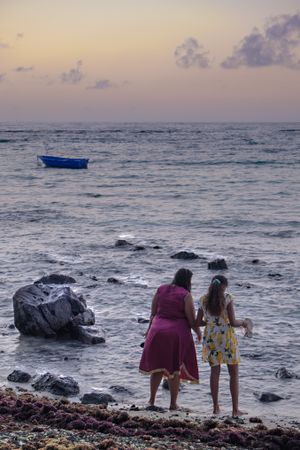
(169, 348)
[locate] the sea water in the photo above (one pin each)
(219, 190)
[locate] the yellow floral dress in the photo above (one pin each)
(220, 345)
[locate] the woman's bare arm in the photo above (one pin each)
(189, 309)
(153, 311)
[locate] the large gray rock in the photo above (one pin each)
(48, 311)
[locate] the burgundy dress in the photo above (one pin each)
(169, 346)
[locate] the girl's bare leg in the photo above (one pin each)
(155, 380)
(174, 389)
(233, 370)
(214, 387)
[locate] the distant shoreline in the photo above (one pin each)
(28, 419)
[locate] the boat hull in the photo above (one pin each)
(64, 163)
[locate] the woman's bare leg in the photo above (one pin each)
(233, 370)
(214, 387)
(155, 380)
(174, 389)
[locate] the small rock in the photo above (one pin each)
(56, 278)
(95, 398)
(269, 397)
(255, 420)
(165, 385)
(94, 278)
(217, 264)
(185, 255)
(19, 376)
(142, 320)
(117, 389)
(255, 261)
(138, 248)
(156, 247)
(123, 243)
(284, 373)
(134, 408)
(113, 280)
(274, 275)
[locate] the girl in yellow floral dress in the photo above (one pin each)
(220, 345)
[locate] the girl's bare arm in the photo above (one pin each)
(231, 316)
(199, 319)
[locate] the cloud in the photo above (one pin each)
(275, 46)
(191, 54)
(74, 76)
(24, 69)
(102, 84)
(2, 77)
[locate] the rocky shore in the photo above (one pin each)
(30, 422)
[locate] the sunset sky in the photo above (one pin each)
(150, 60)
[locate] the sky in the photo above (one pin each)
(150, 60)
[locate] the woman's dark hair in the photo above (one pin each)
(183, 278)
(215, 300)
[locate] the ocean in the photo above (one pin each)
(220, 190)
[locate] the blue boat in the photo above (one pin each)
(64, 163)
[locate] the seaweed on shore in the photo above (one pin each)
(60, 424)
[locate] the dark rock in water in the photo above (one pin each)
(217, 264)
(165, 385)
(284, 373)
(269, 397)
(142, 320)
(246, 285)
(121, 390)
(255, 261)
(94, 278)
(274, 275)
(123, 243)
(56, 278)
(252, 355)
(185, 255)
(11, 326)
(19, 376)
(114, 280)
(95, 398)
(56, 385)
(88, 335)
(138, 248)
(156, 247)
(42, 310)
